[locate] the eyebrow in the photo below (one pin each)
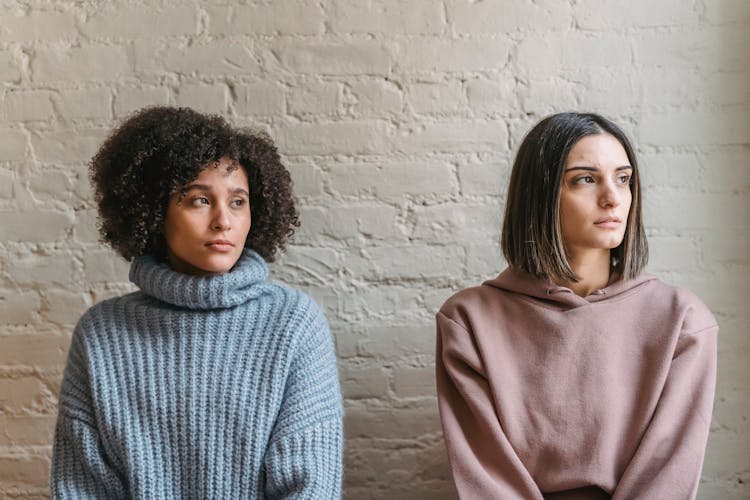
(206, 187)
(594, 169)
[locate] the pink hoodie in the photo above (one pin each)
(546, 394)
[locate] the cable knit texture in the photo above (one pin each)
(200, 387)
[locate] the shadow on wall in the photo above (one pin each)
(725, 247)
(394, 445)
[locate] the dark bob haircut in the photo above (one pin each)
(157, 151)
(531, 238)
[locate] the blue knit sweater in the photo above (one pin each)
(200, 387)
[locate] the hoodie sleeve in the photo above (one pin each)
(482, 460)
(669, 458)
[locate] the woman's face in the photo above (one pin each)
(595, 195)
(206, 229)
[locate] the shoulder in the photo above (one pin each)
(695, 316)
(305, 335)
(462, 298)
(292, 300)
(299, 313)
(107, 315)
(463, 304)
(98, 328)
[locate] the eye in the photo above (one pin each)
(237, 203)
(584, 179)
(199, 201)
(624, 179)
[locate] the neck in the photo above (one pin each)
(592, 267)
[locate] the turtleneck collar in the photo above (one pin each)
(201, 292)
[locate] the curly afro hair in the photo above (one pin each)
(159, 150)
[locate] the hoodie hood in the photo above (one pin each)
(515, 281)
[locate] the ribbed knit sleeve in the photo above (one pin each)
(80, 466)
(303, 460)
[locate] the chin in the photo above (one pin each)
(219, 264)
(222, 267)
(600, 243)
(611, 244)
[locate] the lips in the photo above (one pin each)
(609, 218)
(220, 245)
(609, 222)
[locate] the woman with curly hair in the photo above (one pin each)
(210, 381)
(574, 374)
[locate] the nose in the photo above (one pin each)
(220, 221)
(610, 196)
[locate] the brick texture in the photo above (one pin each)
(399, 122)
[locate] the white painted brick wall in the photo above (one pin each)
(398, 121)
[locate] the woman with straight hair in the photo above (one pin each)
(209, 381)
(574, 374)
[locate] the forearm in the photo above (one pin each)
(483, 462)
(306, 464)
(669, 458)
(304, 455)
(79, 465)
